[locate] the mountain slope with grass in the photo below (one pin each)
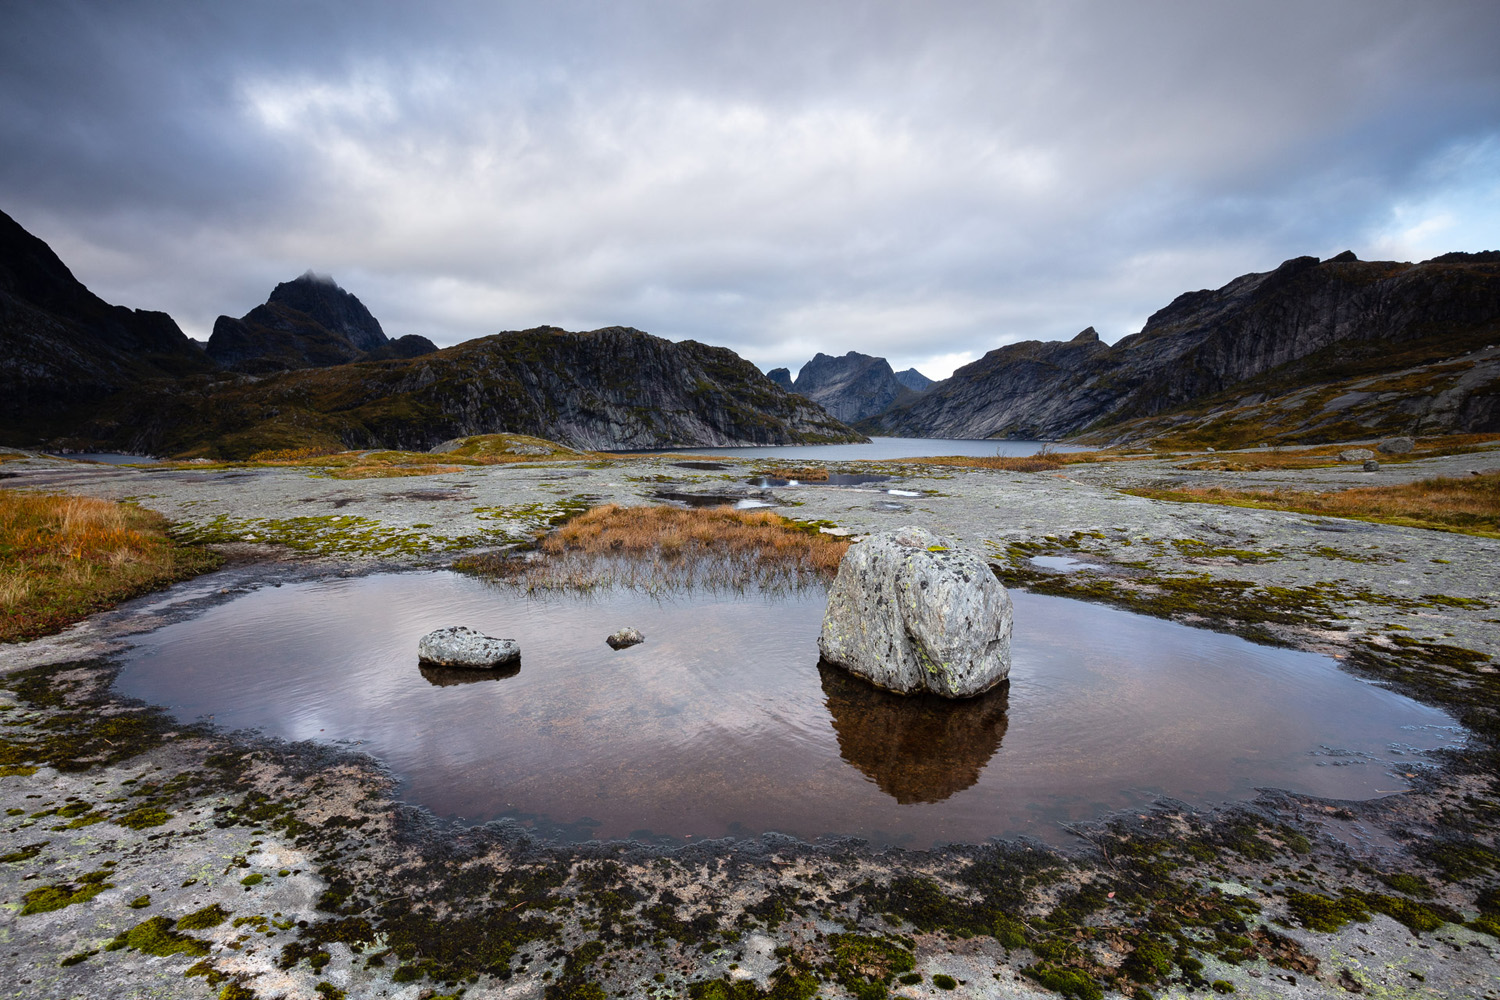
(63, 347)
(615, 388)
(1307, 324)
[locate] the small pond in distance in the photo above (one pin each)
(723, 721)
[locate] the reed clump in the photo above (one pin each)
(1470, 505)
(63, 558)
(660, 548)
(801, 473)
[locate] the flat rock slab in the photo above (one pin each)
(463, 647)
(912, 612)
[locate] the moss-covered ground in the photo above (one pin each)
(138, 854)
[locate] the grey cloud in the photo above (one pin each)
(921, 182)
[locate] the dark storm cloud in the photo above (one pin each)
(920, 181)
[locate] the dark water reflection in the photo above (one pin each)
(722, 721)
(917, 749)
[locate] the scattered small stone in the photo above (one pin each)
(1371, 465)
(625, 637)
(460, 646)
(1397, 445)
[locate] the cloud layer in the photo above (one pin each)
(924, 182)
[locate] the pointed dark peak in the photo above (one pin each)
(1347, 257)
(913, 379)
(323, 301)
(1086, 336)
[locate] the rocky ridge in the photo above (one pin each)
(1306, 323)
(615, 388)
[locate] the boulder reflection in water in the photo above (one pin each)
(447, 676)
(916, 748)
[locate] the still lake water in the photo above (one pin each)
(875, 450)
(724, 722)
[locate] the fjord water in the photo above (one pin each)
(724, 722)
(876, 449)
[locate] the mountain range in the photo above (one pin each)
(312, 368)
(1314, 350)
(1269, 356)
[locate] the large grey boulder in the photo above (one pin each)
(1356, 455)
(1397, 445)
(460, 646)
(911, 612)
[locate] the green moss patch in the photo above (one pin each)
(47, 898)
(156, 936)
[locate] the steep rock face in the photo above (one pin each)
(309, 322)
(1305, 323)
(63, 347)
(615, 388)
(850, 388)
(319, 297)
(781, 377)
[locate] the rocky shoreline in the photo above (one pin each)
(111, 803)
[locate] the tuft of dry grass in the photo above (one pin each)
(63, 558)
(801, 473)
(1470, 505)
(662, 548)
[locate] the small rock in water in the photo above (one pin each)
(460, 646)
(1397, 445)
(911, 612)
(1371, 465)
(1356, 455)
(625, 637)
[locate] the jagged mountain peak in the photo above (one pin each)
(321, 298)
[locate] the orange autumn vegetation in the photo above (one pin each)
(664, 548)
(63, 558)
(1468, 504)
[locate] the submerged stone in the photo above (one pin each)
(625, 637)
(911, 612)
(461, 646)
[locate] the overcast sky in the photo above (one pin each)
(921, 181)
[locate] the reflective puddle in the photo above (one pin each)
(723, 721)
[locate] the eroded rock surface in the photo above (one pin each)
(910, 612)
(463, 647)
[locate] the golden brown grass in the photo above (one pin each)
(1041, 462)
(63, 558)
(483, 449)
(801, 473)
(663, 548)
(1470, 505)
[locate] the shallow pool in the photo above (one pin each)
(724, 722)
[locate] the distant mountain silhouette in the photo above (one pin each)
(309, 322)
